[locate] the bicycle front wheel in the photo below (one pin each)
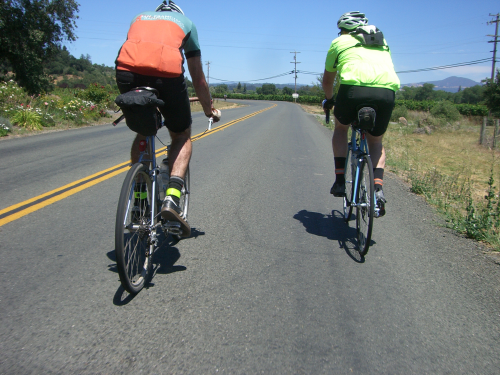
(365, 208)
(349, 184)
(135, 231)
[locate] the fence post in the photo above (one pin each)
(495, 133)
(483, 131)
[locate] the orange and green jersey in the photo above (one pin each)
(358, 65)
(155, 42)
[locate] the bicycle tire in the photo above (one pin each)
(365, 209)
(134, 240)
(349, 185)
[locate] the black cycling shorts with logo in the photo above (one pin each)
(173, 91)
(350, 97)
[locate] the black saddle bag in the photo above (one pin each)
(366, 119)
(139, 108)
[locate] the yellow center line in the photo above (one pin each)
(21, 209)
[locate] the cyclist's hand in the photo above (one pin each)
(216, 114)
(328, 104)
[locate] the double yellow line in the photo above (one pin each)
(24, 208)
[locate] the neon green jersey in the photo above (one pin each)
(369, 66)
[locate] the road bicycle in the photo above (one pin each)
(138, 217)
(359, 183)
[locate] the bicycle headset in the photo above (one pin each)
(170, 7)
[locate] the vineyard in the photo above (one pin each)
(413, 105)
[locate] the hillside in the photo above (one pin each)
(450, 84)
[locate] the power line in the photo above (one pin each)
(255, 80)
(445, 66)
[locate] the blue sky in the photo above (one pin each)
(251, 40)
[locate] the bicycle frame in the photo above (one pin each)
(358, 150)
(154, 171)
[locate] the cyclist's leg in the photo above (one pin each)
(180, 152)
(177, 115)
(344, 113)
(339, 146)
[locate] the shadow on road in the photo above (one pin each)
(163, 262)
(334, 228)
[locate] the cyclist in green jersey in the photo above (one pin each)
(367, 77)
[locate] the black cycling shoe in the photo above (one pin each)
(172, 212)
(338, 190)
(381, 201)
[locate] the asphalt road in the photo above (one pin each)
(268, 282)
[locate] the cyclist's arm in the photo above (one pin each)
(200, 84)
(328, 79)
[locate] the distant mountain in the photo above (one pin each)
(450, 84)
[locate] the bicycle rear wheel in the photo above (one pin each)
(365, 209)
(349, 184)
(135, 235)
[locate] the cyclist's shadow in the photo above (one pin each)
(333, 227)
(163, 263)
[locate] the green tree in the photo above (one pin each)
(472, 95)
(426, 92)
(491, 93)
(287, 91)
(244, 88)
(221, 89)
(268, 89)
(30, 32)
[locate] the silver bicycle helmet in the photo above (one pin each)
(170, 7)
(352, 20)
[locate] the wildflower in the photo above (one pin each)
(46, 103)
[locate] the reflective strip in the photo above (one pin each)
(340, 171)
(140, 194)
(174, 192)
(379, 181)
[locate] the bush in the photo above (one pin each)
(27, 118)
(94, 93)
(399, 111)
(5, 126)
(445, 110)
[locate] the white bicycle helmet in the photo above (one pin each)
(170, 7)
(352, 20)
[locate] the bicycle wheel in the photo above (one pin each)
(365, 209)
(135, 237)
(349, 184)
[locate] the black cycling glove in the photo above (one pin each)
(328, 103)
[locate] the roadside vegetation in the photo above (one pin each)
(437, 152)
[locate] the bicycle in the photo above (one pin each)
(138, 218)
(360, 190)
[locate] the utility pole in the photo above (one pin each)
(208, 74)
(495, 45)
(295, 70)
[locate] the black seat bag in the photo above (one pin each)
(139, 108)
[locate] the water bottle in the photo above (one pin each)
(163, 178)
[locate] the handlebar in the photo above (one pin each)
(118, 120)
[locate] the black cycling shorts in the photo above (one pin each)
(173, 91)
(350, 97)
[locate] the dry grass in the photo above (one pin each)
(452, 150)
